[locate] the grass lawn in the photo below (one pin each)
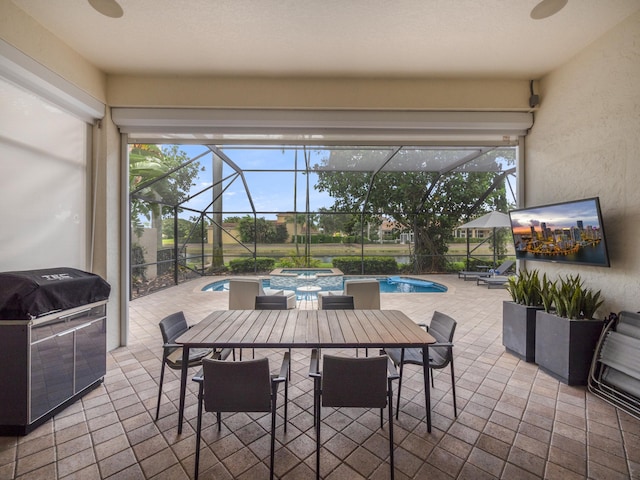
(337, 249)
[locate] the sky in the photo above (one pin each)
(270, 191)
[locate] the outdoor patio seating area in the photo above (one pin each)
(514, 421)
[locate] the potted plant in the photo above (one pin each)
(519, 314)
(566, 333)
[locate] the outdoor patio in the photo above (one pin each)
(514, 421)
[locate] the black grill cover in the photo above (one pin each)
(33, 293)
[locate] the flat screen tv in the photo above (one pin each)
(568, 232)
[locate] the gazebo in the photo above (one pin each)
(493, 220)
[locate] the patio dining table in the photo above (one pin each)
(305, 329)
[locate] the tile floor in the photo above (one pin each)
(514, 421)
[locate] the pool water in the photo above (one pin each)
(387, 285)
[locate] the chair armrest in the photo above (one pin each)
(447, 345)
(424, 325)
(441, 344)
(284, 369)
(221, 354)
(199, 377)
(313, 364)
(393, 371)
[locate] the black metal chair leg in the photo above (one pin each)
(400, 383)
(198, 431)
(390, 406)
(274, 398)
(453, 390)
(317, 408)
(160, 389)
(286, 403)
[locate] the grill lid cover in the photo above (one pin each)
(29, 294)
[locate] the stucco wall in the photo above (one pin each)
(319, 93)
(23, 32)
(585, 142)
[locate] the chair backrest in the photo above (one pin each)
(271, 302)
(338, 302)
(354, 382)
(243, 291)
(506, 265)
(243, 386)
(442, 328)
(365, 292)
(172, 326)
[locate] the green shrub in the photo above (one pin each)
(249, 265)
(316, 238)
(372, 265)
(299, 261)
(137, 258)
(453, 267)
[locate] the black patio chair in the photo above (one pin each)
(271, 302)
(171, 328)
(337, 302)
(355, 383)
(244, 386)
(442, 328)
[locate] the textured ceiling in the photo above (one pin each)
(382, 38)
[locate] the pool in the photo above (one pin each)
(392, 284)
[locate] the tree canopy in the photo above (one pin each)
(429, 204)
(261, 230)
(158, 177)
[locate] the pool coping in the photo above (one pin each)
(279, 272)
(441, 280)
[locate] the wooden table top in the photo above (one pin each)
(306, 329)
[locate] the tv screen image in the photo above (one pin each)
(570, 232)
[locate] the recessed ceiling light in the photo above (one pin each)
(546, 8)
(110, 8)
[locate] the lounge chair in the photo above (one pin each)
(499, 281)
(365, 292)
(501, 270)
(243, 292)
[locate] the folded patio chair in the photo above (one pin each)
(501, 270)
(615, 370)
(244, 290)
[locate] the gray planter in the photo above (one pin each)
(519, 330)
(564, 348)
